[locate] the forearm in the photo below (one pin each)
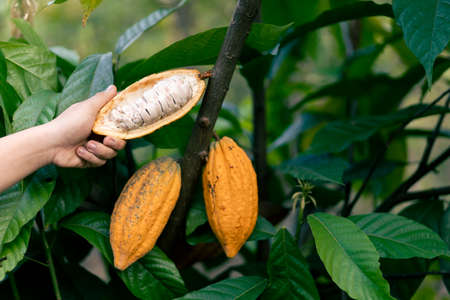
(23, 153)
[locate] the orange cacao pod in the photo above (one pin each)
(150, 103)
(143, 209)
(230, 192)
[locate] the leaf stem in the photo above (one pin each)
(51, 265)
(15, 291)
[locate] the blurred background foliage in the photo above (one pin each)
(321, 60)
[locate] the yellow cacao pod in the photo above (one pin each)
(143, 209)
(230, 192)
(150, 103)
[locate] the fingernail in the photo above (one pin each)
(81, 151)
(91, 146)
(110, 88)
(111, 140)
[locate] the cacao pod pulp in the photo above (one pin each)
(150, 103)
(143, 209)
(230, 192)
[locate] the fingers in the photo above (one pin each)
(95, 154)
(91, 159)
(102, 98)
(116, 144)
(100, 150)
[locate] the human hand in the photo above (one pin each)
(72, 128)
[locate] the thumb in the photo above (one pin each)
(100, 99)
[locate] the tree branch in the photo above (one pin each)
(198, 144)
(434, 192)
(396, 197)
(415, 275)
(381, 154)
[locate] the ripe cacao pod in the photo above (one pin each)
(143, 209)
(150, 103)
(230, 192)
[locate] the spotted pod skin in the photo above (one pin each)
(150, 103)
(143, 209)
(230, 192)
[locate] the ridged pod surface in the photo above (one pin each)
(150, 103)
(143, 209)
(230, 192)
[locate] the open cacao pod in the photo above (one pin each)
(150, 103)
(230, 192)
(143, 209)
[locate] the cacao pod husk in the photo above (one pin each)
(230, 192)
(150, 103)
(143, 209)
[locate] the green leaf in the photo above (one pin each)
(358, 10)
(426, 29)
(29, 34)
(200, 49)
(281, 12)
(135, 31)
(289, 275)
(71, 56)
(94, 227)
(154, 276)
(339, 135)
(14, 251)
(445, 234)
(315, 168)
(9, 102)
(88, 8)
(241, 288)
(349, 257)
(304, 122)
(196, 215)
(263, 230)
(2, 67)
(18, 207)
(174, 135)
(92, 75)
(38, 109)
(69, 193)
(398, 237)
(30, 68)
(428, 213)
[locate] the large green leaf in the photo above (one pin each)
(398, 237)
(18, 207)
(263, 230)
(14, 251)
(349, 257)
(92, 75)
(241, 288)
(445, 234)
(29, 34)
(38, 109)
(2, 67)
(426, 28)
(280, 12)
(9, 102)
(30, 68)
(174, 135)
(201, 49)
(289, 275)
(428, 213)
(154, 274)
(315, 168)
(135, 31)
(153, 277)
(337, 136)
(94, 227)
(196, 215)
(70, 191)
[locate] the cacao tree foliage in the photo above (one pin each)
(345, 119)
